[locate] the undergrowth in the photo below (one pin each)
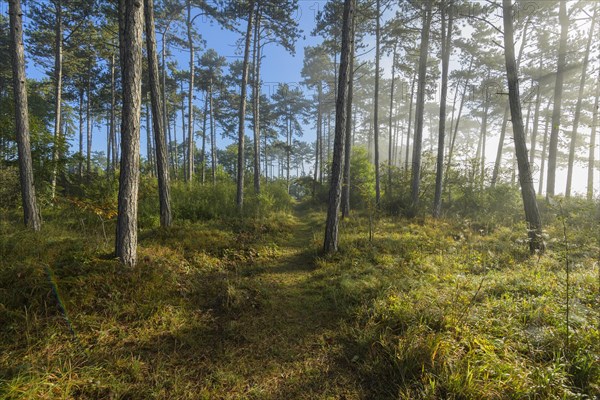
(223, 307)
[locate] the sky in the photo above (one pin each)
(279, 66)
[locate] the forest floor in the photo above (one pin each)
(251, 310)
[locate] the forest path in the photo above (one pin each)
(282, 344)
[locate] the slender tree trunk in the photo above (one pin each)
(256, 101)
(213, 139)
(532, 215)
(332, 225)
(418, 137)
(558, 93)
(500, 146)
(191, 144)
(131, 45)
(148, 138)
(113, 105)
(242, 112)
(58, 76)
(376, 103)
(31, 215)
(391, 125)
(203, 153)
(446, 43)
(345, 205)
(162, 164)
(88, 118)
(165, 114)
(318, 141)
(573, 145)
(184, 153)
(536, 117)
(457, 124)
(544, 148)
(80, 112)
(484, 124)
(592, 149)
(410, 119)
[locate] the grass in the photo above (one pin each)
(251, 310)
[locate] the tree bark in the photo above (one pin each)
(191, 144)
(532, 215)
(348, 141)
(242, 114)
(391, 143)
(162, 164)
(256, 102)
(446, 43)
(113, 102)
(558, 93)
(573, 144)
(131, 45)
(418, 136)
(31, 215)
(410, 119)
(213, 139)
(58, 77)
(330, 244)
(376, 102)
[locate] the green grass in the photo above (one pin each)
(251, 310)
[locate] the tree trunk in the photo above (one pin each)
(532, 215)
(410, 119)
(31, 215)
(80, 112)
(191, 144)
(256, 102)
(558, 92)
(345, 205)
(131, 45)
(457, 124)
(536, 117)
(592, 149)
(162, 164)
(376, 103)
(318, 166)
(113, 102)
(184, 153)
(242, 114)
(213, 139)
(544, 148)
(500, 147)
(203, 152)
(58, 76)
(446, 43)
(332, 225)
(88, 117)
(391, 125)
(573, 145)
(418, 136)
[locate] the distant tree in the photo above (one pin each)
(558, 95)
(427, 15)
